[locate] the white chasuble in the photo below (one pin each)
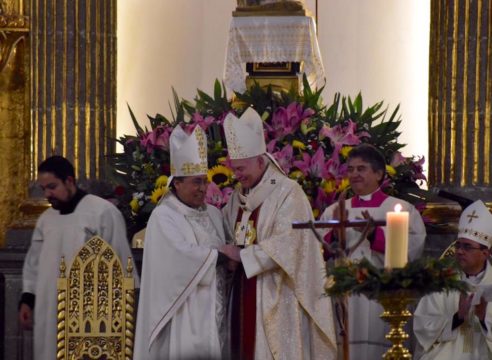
(366, 329)
(433, 327)
(181, 306)
(293, 318)
(57, 235)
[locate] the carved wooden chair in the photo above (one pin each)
(95, 305)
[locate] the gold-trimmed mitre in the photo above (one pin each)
(244, 135)
(188, 152)
(476, 224)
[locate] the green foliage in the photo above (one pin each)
(421, 276)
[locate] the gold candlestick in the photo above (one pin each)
(396, 314)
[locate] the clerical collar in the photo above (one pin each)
(475, 279)
(69, 206)
(374, 199)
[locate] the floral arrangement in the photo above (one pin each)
(309, 140)
(421, 277)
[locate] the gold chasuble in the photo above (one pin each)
(279, 309)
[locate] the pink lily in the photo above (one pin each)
(323, 200)
(398, 159)
(286, 120)
(284, 158)
(271, 146)
(340, 136)
(418, 169)
(217, 197)
(204, 122)
(156, 139)
(314, 166)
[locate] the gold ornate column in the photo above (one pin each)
(14, 108)
(74, 82)
(460, 96)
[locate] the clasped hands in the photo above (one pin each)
(465, 305)
(232, 252)
(365, 216)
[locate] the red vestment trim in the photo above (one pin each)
(243, 317)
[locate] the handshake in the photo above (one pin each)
(232, 254)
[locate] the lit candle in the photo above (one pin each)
(396, 251)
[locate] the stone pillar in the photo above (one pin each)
(74, 82)
(460, 96)
(14, 109)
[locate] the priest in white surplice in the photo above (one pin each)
(278, 307)
(458, 326)
(62, 230)
(366, 171)
(182, 306)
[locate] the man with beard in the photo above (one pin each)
(458, 326)
(74, 218)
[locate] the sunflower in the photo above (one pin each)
(220, 175)
(158, 193)
(161, 181)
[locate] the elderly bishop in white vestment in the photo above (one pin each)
(454, 327)
(278, 307)
(181, 312)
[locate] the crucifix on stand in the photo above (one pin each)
(341, 253)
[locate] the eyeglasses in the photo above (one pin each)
(466, 247)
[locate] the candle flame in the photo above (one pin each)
(398, 208)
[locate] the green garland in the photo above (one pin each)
(422, 276)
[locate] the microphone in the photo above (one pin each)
(463, 201)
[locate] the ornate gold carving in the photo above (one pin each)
(396, 314)
(278, 83)
(29, 212)
(13, 28)
(277, 8)
(14, 108)
(99, 322)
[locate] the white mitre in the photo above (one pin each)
(476, 224)
(244, 135)
(188, 152)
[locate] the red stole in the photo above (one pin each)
(243, 316)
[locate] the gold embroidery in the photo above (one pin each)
(233, 148)
(189, 169)
(467, 333)
(250, 235)
(477, 234)
(202, 147)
